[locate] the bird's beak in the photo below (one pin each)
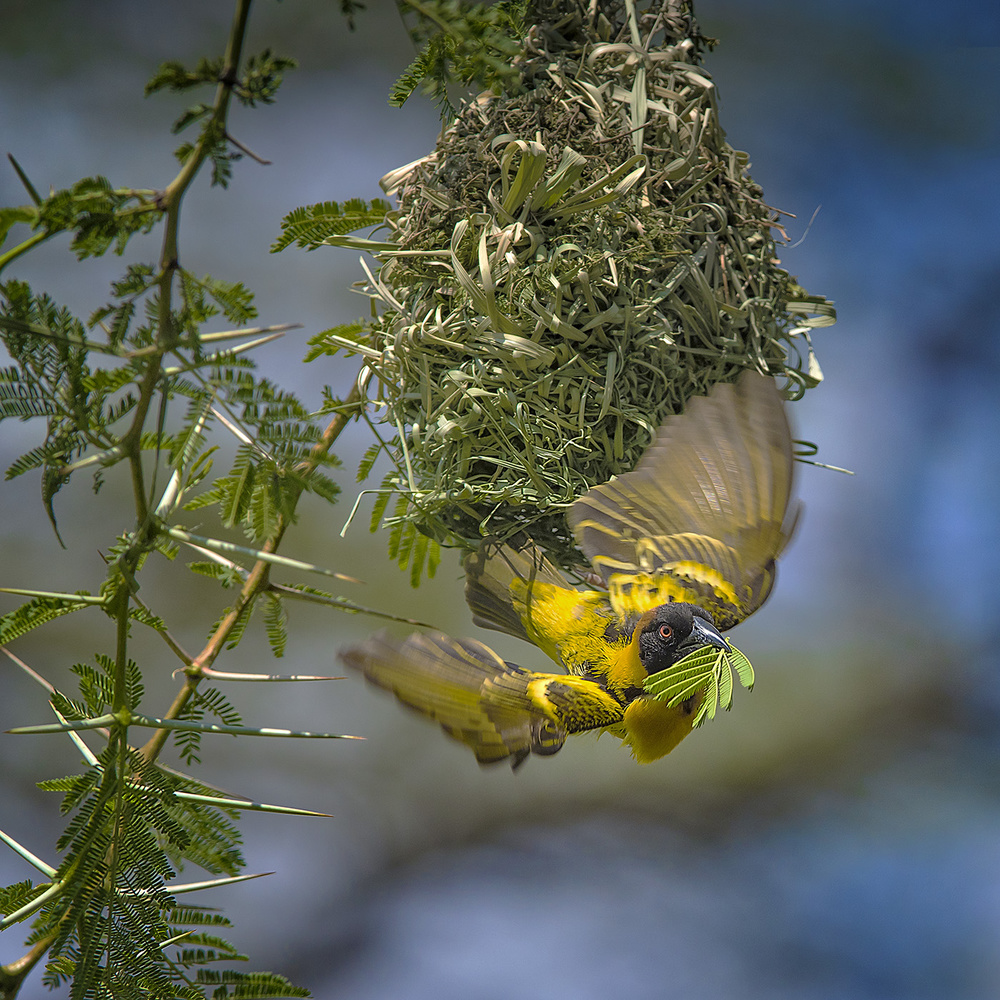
(704, 633)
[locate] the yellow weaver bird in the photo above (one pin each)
(685, 547)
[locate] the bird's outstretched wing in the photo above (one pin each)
(705, 513)
(498, 709)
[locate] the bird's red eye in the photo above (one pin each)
(666, 632)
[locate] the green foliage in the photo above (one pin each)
(205, 701)
(115, 921)
(51, 363)
(55, 376)
(461, 44)
(408, 546)
(265, 479)
(36, 612)
(97, 687)
(13, 897)
(276, 624)
(173, 76)
(137, 391)
(248, 985)
(368, 460)
(708, 671)
(99, 216)
(334, 341)
(312, 226)
(257, 84)
(10, 217)
(261, 78)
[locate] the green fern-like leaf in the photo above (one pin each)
(215, 702)
(267, 503)
(410, 548)
(234, 298)
(70, 708)
(191, 439)
(413, 76)
(322, 486)
(418, 557)
(228, 576)
(194, 916)
(36, 612)
(76, 785)
(23, 400)
(332, 341)
(147, 618)
(236, 632)
(261, 78)
(29, 461)
(238, 488)
(172, 75)
(188, 743)
(13, 897)
(743, 668)
(382, 499)
(469, 44)
(707, 670)
(367, 461)
(96, 686)
(248, 985)
(206, 700)
(99, 216)
(312, 225)
(398, 541)
(433, 557)
(211, 496)
(276, 624)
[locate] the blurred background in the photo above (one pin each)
(838, 834)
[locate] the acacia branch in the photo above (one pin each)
(170, 203)
(257, 580)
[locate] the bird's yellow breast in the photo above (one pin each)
(652, 729)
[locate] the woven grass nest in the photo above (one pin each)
(569, 266)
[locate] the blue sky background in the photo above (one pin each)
(836, 834)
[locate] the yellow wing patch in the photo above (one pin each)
(570, 626)
(578, 703)
(518, 591)
(694, 583)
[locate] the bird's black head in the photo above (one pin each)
(671, 631)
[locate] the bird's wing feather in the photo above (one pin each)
(518, 591)
(705, 513)
(498, 709)
(499, 580)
